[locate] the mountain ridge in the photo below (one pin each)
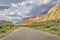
(52, 14)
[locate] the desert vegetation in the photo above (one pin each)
(52, 26)
(6, 27)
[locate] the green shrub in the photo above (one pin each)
(54, 29)
(3, 28)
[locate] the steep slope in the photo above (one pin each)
(53, 14)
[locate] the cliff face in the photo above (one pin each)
(53, 13)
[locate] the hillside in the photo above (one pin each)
(5, 22)
(53, 13)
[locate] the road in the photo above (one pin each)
(30, 34)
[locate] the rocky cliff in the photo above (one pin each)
(53, 14)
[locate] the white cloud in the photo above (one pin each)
(19, 3)
(11, 13)
(40, 2)
(13, 18)
(14, 5)
(46, 1)
(19, 13)
(30, 1)
(6, 9)
(10, 17)
(23, 3)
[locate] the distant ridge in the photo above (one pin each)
(5, 22)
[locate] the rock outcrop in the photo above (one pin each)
(53, 14)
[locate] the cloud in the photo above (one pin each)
(30, 1)
(11, 13)
(14, 5)
(11, 18)
(19, 13)
(41, 2)
(46, 1)
(19, 4)
(23, 3)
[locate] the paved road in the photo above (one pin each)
(30, 34)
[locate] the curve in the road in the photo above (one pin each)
(30, 34)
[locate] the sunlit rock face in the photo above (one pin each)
(53, 14)
(20, 9)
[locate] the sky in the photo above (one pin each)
(16, 10)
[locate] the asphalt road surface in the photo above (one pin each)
(30, 34)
